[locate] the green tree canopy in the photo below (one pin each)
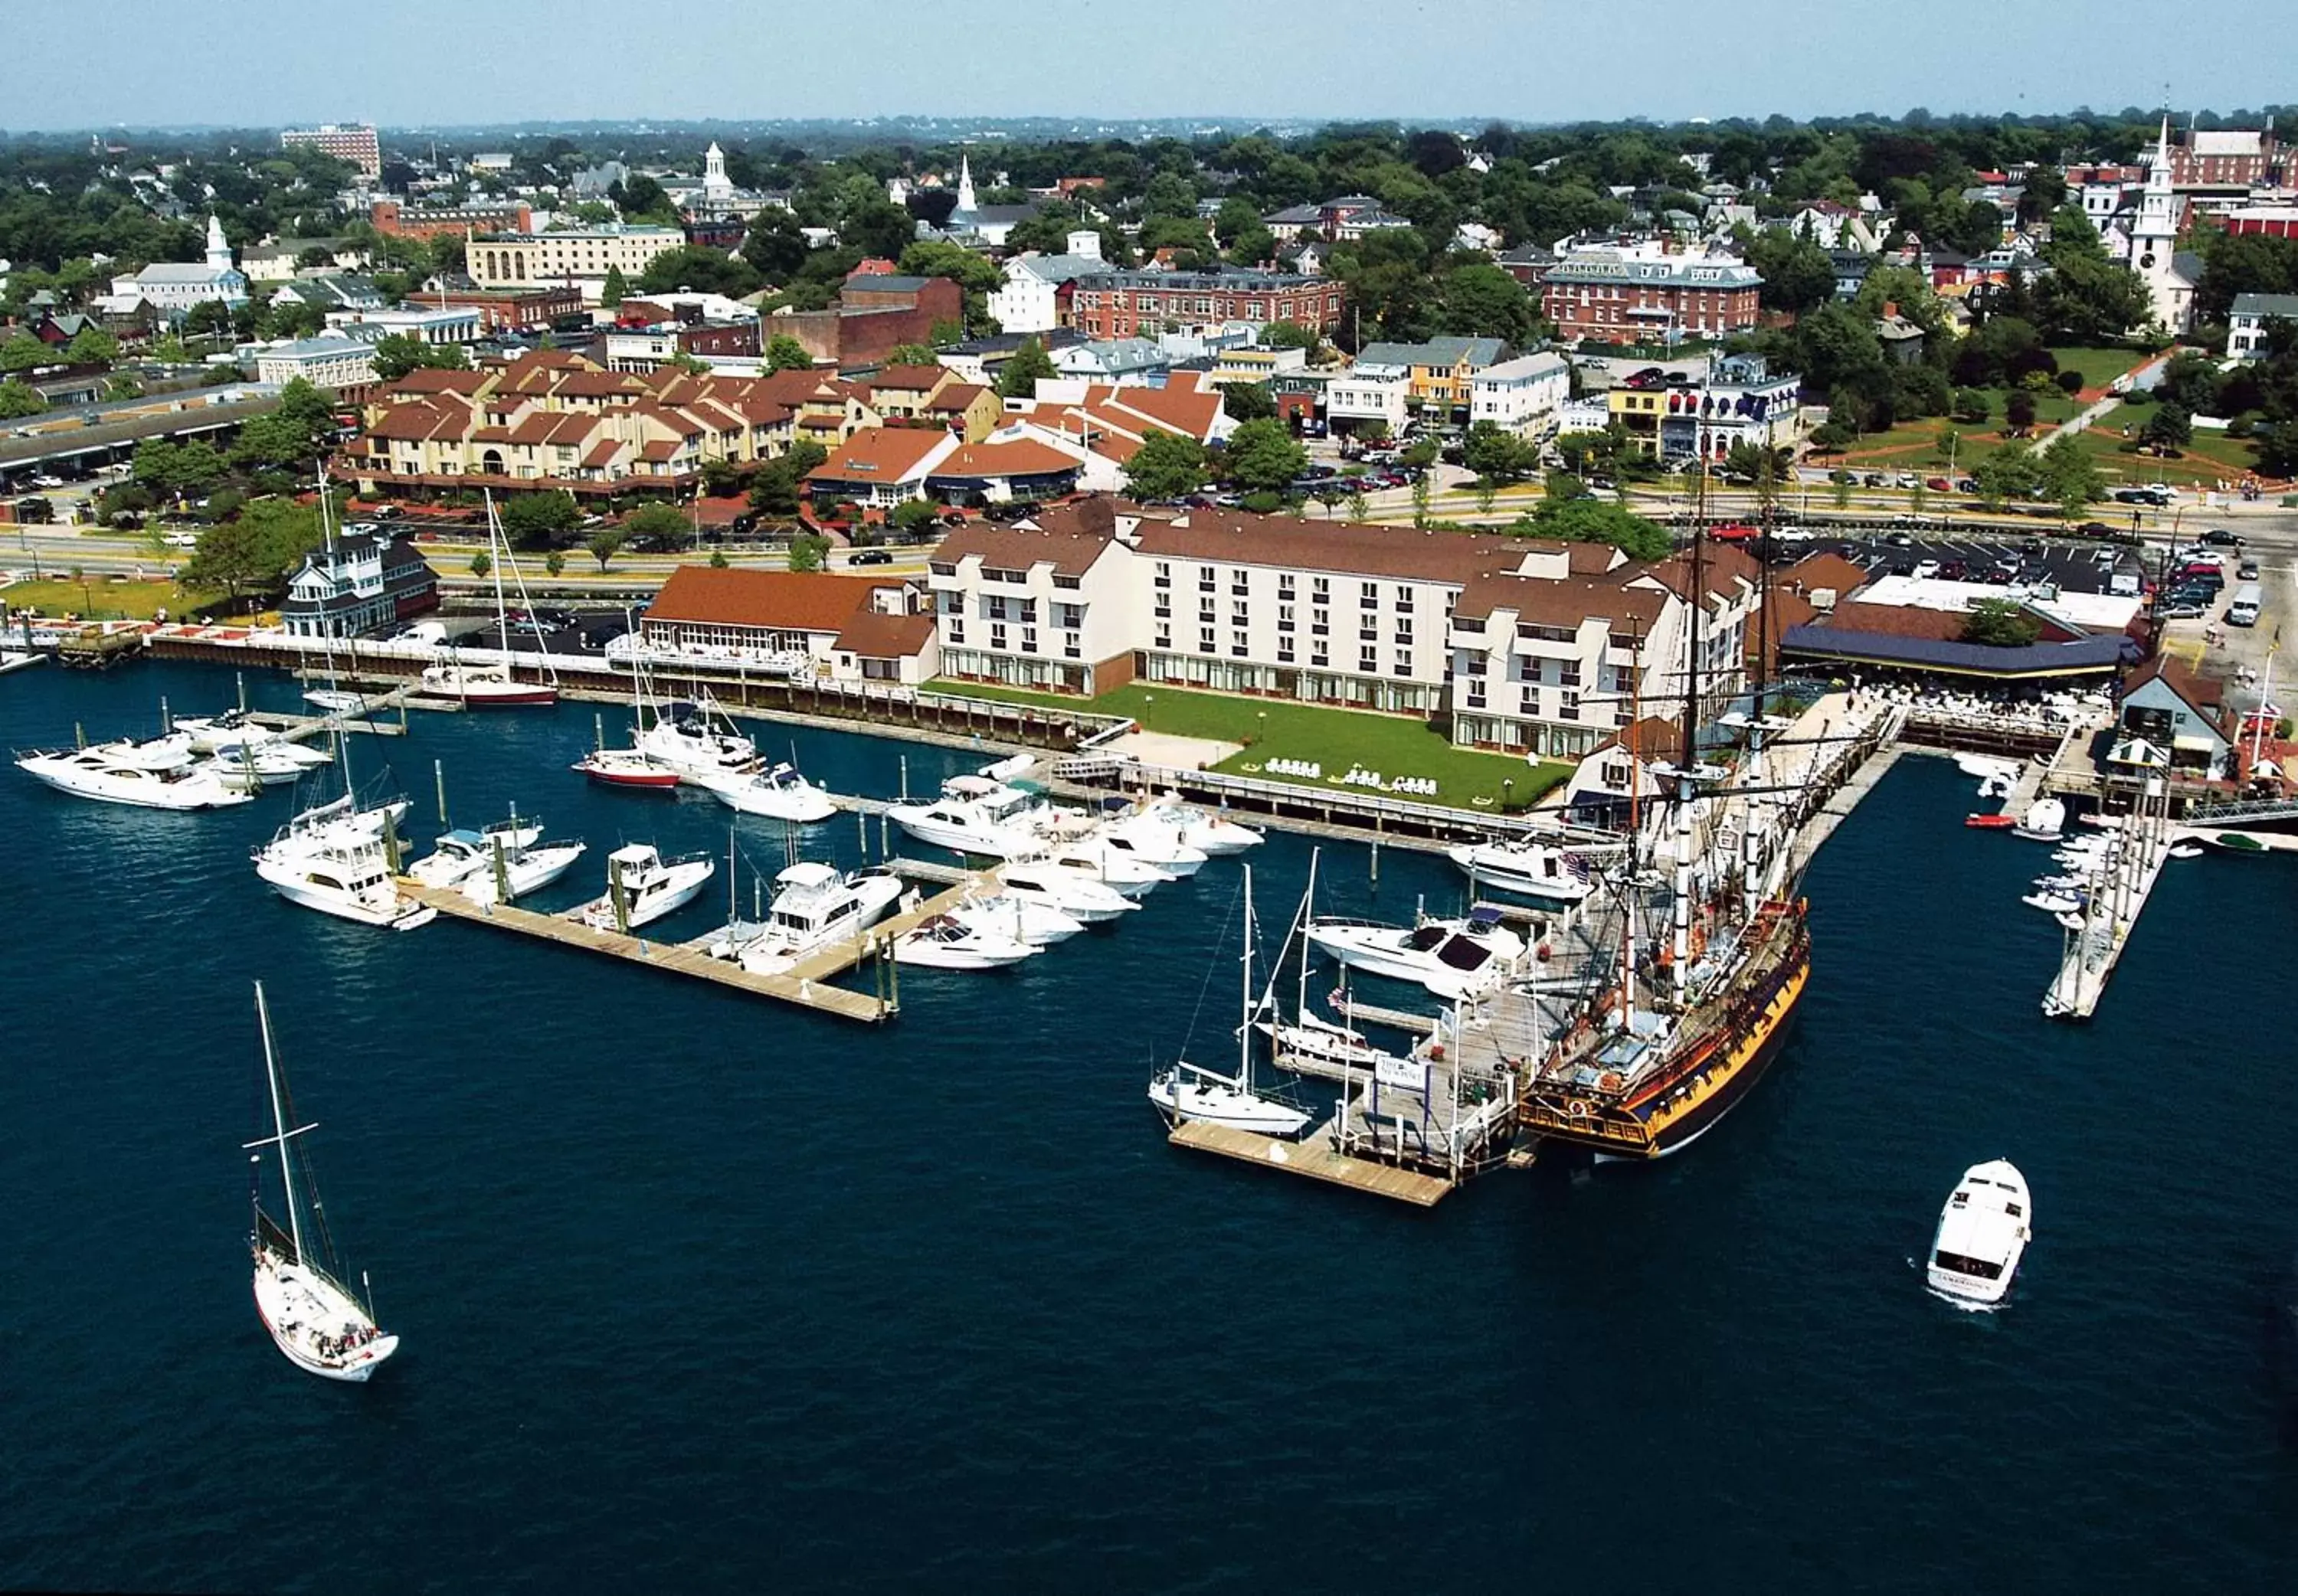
(1019, 378)
(92, 346)
(396, 354)
(605, 543)
(539, 520)
(786, 353)
(778, 485)
(1262, 457)
(1247, 402)
(615, 289)
(1590, 520)
(662, 527)
(700, 269)
(808, 550)
(2001, 624)
(1290, 334)
(1497, 455)
(1167, 466)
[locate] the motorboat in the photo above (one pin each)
(338, 700)
(2055, 903)
(698, 741)
(1204, 830)
(1119, 868)
(458, 853)
(171, 752)
(486, 686)
(342, 870)
(19, 660)
(628, 767)
(345, 815)
(1983, 1231)
(1083, 897)
(273, 763)
(1153, 843)
(95, 774)
(1526, 868)
(225, 735)
(318, 1322)
(642, 886)
(815, 905)
(1991, 822)
(1191, 1093)
(1451, 958)
(1039, 924)
(779, 794)
(983, 816)
(523, 868)
(947, 942)
(2045, 821)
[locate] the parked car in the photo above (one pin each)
(179, 539)
(1939, 485)
(2218, 537)
(1927, 568)
(1951, 570)
(2247, 571)
(871, 557)
(1899, 539)
(2179, 612)
(1966, 485)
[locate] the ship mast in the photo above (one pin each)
(1751, 853)
(1688, 761)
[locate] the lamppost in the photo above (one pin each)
(1262, 736)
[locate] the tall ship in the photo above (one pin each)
(1693, 957)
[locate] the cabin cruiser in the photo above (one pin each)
(99, 773)
(226, 733)
(1204, 830)
(815, 906)
(2045, 821)
(1026, 920)
(273, 763)
(339, 869)
(628, 767)
(524, 868)
(779, 794)
(486, 686)
(949, 942)
(459, 852)
(642, 886)
(686, 738)
(1453, 958)
(1152, 842)
(1526, 868)
(1083, 897)
(1109, 861)
(984, 815)
(1983, 1231)
(172, 752)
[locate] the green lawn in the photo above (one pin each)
(2099, 367)
(105, 599)
(2208, 459)
(1395, 745)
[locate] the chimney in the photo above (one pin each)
(1890, 308)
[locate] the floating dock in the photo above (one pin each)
(1315, 1157)
(807, 984)
(2119, 890)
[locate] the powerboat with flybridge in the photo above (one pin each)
(1453, 959)
(1153, 843)
(989, 816)
(1526, 868)
(1207, 831)
(1983, 1232)
(699, 741)
(1118, 867)
(341, 868)
(457, 854)
(518, 869)
(319, 1324)
(95, 774)
(815, 906)
(778, 794)
(642, 886)
(1026, 920)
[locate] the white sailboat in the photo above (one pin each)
(1191, 1092)
(1526, 868)
(493, 686)
(319, 1323)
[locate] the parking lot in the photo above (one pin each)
(2078, 567)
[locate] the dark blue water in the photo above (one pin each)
(699, 1293)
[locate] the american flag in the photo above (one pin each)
(1577, 864)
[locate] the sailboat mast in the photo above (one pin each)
(1751, 850)
(495, 560)
(1697, 596)
(1244, 1017)
(279, 1123)
(1308, 915)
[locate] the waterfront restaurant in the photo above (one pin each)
(764, 619)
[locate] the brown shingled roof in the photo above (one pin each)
(1345, 548)
(782, 600)
(877, 636)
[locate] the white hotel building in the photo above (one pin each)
(1528, 646)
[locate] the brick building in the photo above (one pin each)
(2232, 160)
(513, 310)
(1636, 296)
(1128, 305)
(876, 313)
(346, 141)
(395, 221)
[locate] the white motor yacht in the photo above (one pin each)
(457, 854)
(273, 763)
(815, 905)
(947, 942)
(339, 869)
(1453, 958)
(983, 816)
(236, 729)
(172, 752)
(1039, 924)
(526, 867)
(1983, 1231)
(642, 886)
(1081, 897)
(1160, 846)
(1526, 868)
(1121, 869)
(778, 794)
(97, 773)
(1204, 830)
(698, 742)
(2045, 821)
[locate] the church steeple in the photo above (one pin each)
(2154, 241)
(964, 183)
(219, 250)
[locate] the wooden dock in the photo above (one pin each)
(808, 983)
(2119, 891)
(1315, 1157)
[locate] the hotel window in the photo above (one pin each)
(1164, 634)
(1070, 647)
(1285, 618)
(1028, 639)
(1368, 595)
(1164, 606)
(1285, 650)
(1205, 579)
(996, 610)
(957, 630)
(1369, 632)
(1320, 622)
(1205, 644)
(1237, 612)
(1569, 673)
(1284, 584)
(1528, 699)
(1404, 630)
(1571, 710)
(1319, 654)
(1205, 610)
(1238, 583)
(1320, 588)
(1368, 661)
(1236, 644)
(998, 635)
(1403, 599)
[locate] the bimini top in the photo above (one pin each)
(809, 873)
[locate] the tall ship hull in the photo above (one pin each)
(1630, 1099)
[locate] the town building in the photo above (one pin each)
(1101, 424)
(877, 312)
(2230, 161)
(2169, 276)
(1739, 400)
(357, 584)
(2179, 713)
(1646, 295)
(2246, 322)
(330, 292)
(531, 309)
(394, 220)
(424, 323)
(354, 142)
(583, 258)
(1029, 300)
(847, 628)
(343, 364)
(1350, 216)
(1433, 379)
(172, 287)
(880, 467)
(1522, 396)
(990, 225)
(1128, 305)
(282, 258)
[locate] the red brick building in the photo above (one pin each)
(512, 311)
(1613, 296)
(395, 221)
(1129, 304)
(2235, 160)
(876, 314)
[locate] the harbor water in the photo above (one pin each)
(702, 1292)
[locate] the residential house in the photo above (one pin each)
(2177, 712)
(357, 584)
(847, 628)
(1522, 396)
(2246, 322)
(879, 468)
(1029, 301)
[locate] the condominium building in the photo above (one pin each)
(354, 142)
(583, 258)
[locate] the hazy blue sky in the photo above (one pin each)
(266, 62)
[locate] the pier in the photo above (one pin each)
(807, 984)
(1316, 1156)
(2119, 886)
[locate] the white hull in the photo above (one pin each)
(1982, 1234)
(132, 788)
(1038, 924)
(805, 920)
(1390, 951)
(960, 946)
(981, 841)
(294, 882)
(533, 870)
(648, 902)
(319, 1328)
(796, 801)
(11, 659)
(1081, 898)
(1181, 1094)
(1534, 872)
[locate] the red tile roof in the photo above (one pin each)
(1021, 457)
(885, 637)
(776, 601)
(879, 454)
(908, 379)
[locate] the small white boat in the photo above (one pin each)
(336, 701)
(236, 729)
(1080, 897)
(642, 886)
(628, 767)
(1156, 845)
(815, 905)
(2054, 903)
(2045, 821)
(1313, 1039)
(97, 773)
(457, 854)
(273, 763)
(172, 752)
(318, 1322)
(1525, 868)
(945, 942)
(2187, 850)
(1451, 958)
(19, 660)
(698, 742)
(1983, 1231)
(486, 686)
(1036, 922)
(528, 867)
(778, 794)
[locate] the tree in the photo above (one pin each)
(177, 471)
(914, 518)
(777, 487)
(1024, 369)
(1246, 402)
(19, 399)
(2168, 427)
(911, 354)
(1289, 334)
(1167, 466)
(396, 354)
(658, 527)
(256, 550)
(538, 520)
(225, 557)
(482, 563)
(1971, 405)
(1497, 455)
(2277, 450)
(92, 346)
(718, 560)
(775, 246)
(554, 562)
(1482, 300)
(2070, 476)
(700, 269)
(1590, 520)
(2008, 471)
(606, 541)
(1797, 274)
(786, 353)
(2001, 624)
(2085, 297)
(808, 550)
(2018, 411)
(22, 351)
(615, 289)
(1262, 457)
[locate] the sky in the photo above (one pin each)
(447, 62)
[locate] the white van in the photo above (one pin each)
(2243, 610)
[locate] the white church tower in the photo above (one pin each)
(965, 185)
(715, 182)
(218, 251)
(2154, 243)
